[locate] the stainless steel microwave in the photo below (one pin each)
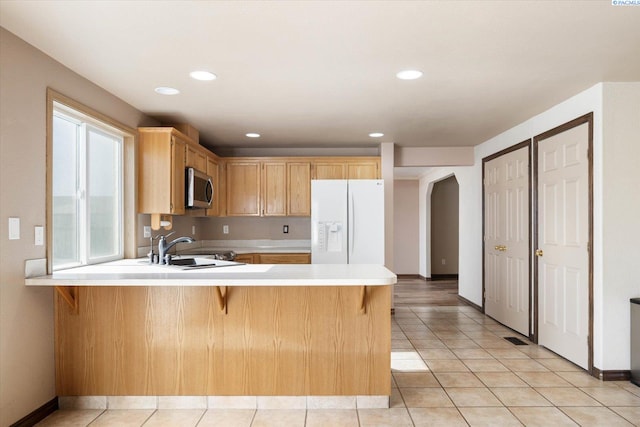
(199, 189)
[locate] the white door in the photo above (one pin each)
(329, 221)
(507, 239)
(366, 221)
(563, 238)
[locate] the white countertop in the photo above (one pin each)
(137, 272)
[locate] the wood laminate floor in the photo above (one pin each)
(420, 292)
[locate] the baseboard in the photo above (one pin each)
(476, 306)
(409, 276)
(611, 375)
(444, 277)
(38, 415)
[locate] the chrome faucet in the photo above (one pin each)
(164, 247)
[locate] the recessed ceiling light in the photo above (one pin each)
(202, 75)
(376, 134)
(409, 74)
(253, 135)
(163, 90)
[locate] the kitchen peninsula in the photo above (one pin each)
(127, 328)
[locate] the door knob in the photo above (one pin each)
(539, 252)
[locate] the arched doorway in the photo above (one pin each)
(444, 226)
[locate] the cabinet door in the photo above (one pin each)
(284, 258)
(246, 258)
(212, 171)
(243, 188)
(274, 189)
(366, 170)
(329, 170)
(177, 175)
(222, 188)
(154, 173)
(299, 189)
(196, 159)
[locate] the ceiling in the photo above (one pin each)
(322, 73)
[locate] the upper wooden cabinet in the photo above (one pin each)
(161, 163)
(243, 187)
(163, 154)
(268, 188)
(346, 168)
(212, 170)
(274, 189)
(196, 158)
(299, 188)
(329, 170)
(286, 188)
(363, 170)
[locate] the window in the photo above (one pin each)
(87, 198)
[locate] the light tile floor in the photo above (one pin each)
(450, 366)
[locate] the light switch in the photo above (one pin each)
(146, 230)
(38, 235)
(225, 229)
(14, 228)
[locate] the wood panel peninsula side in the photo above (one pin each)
(246, 330)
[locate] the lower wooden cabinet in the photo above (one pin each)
(283, 258)
(270, 341)
(246, 258)
(274, 258)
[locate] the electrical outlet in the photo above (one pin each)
(285, 229)
(147, 231)
(444, 261)
(225, 229)
(193, 230)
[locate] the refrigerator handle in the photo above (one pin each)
(352, 226)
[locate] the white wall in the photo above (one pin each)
(620, 212)
(616, 167)
(387, 164)
(470, 181)
(470, 227)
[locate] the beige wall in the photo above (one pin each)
(444, 227)
(248, 228)
(433, 156)
(406, 236)
(26, 314)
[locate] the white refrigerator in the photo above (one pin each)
(347, 221)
